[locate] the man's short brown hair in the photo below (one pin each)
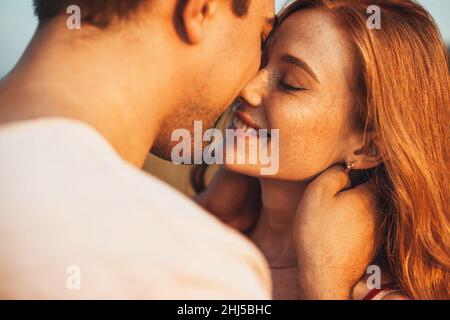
(101, 12)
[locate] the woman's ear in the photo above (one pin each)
(196, 15)
(367, 155)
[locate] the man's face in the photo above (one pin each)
(228, 57)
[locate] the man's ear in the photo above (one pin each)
(367, 154)
(195, 15)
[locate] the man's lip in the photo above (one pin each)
(245, 118)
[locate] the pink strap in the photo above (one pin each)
(390, 287)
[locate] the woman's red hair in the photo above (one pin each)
(404, 98)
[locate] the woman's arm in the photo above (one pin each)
(335, 236)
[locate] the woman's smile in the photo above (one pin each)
(245, 125)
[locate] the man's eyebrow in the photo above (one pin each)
(288, 58)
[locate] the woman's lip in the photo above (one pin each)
(246, 119)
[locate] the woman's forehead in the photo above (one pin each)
(314, 36)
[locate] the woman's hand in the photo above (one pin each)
(233, 198)
(335, 235)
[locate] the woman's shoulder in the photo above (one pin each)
(395, 296)
(386, 290)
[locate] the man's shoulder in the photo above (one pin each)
(70, 200)
(67, 162)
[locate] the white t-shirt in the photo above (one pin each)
(77, 221)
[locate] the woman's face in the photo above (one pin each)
(306, 90)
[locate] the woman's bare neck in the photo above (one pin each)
(273, 232)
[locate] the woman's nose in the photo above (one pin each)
(253, 92)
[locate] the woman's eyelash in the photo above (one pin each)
(286, 87)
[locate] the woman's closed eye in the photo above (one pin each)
(284, 86)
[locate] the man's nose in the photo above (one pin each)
(253, 92)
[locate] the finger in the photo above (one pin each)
(365, 195)
(332, 181)
(364, 191)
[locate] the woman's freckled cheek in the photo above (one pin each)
(307, 139)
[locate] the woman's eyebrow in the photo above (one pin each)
(288, 58)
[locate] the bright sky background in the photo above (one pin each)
(17, 25)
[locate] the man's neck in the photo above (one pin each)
(273, 233)
(96, 80)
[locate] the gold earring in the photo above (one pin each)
(349, 166)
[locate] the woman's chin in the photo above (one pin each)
(247, 160)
